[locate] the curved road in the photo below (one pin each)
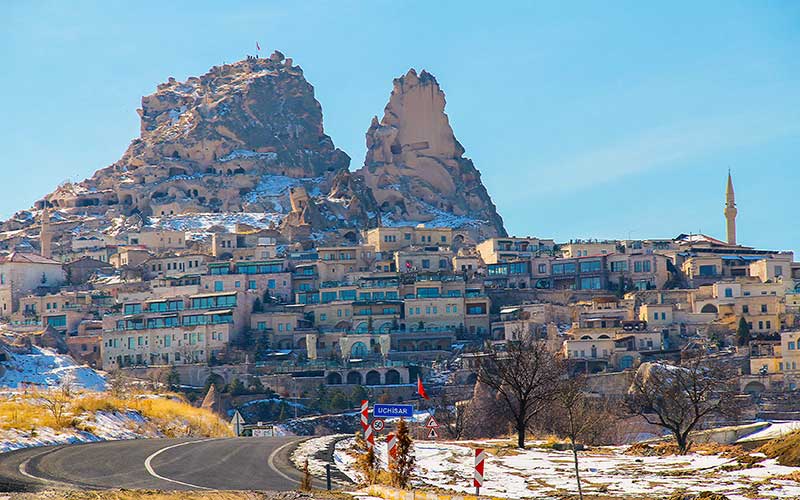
(166, 464)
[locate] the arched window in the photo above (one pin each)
(359, 350)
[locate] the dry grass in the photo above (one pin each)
(171, 415)
(663, 448)
(785, 449)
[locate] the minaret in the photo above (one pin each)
(730, 211)
(45, 235)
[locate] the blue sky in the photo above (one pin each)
(586, 119)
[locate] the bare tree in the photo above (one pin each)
(679, 398)
(578, 417)
(525, 378)
(57, 400)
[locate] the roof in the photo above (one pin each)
(27, 258)
(700, 238)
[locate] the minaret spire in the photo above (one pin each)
(730, 211)
(45, 234)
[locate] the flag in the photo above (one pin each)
(258, 47)
(421, 389)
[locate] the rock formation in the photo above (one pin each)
(245, 137)
(415, 166)
(245, 143)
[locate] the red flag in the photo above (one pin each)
(421, 388)
(258, 47)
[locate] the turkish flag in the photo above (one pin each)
(421, 388)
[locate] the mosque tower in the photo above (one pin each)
(730, 211)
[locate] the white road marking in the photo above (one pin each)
(23, 469)
(271, 461)
(153, 473)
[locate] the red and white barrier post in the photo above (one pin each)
(477, 481)
(369, 436)
(391, 447)
(364, 415)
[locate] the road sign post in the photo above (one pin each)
(477, 481)
(237, 423)
(328, 475)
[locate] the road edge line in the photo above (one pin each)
(152, 472)
(271, 461)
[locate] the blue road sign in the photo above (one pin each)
(389, 411)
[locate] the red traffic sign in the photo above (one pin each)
(378, 424)
(432, 434)
(432, 423)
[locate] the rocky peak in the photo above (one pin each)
(207, 144)
(415, 166)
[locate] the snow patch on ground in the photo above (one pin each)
(545, 473)
(101, 426)
(310, 448)
(774, 431)
(45, 367)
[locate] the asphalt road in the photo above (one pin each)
(166, 464)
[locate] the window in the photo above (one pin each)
(323, 316)
(238, 284)
(132, 308)
(769, 325)
(745, 309)
(655, 315)
(709, 270)
(262, 325)
(791, 345)
(271, 284)
(407, 236)
(778, 271)
(218, 286)
(590, 283)
(251, 285)
(442, 262)
(426, 264)
(729, 292)
(542, 268)
(590, 266)
(619, 266)
(663, 315)
(763, 308)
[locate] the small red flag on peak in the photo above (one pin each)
(421, 388)
(258, 47)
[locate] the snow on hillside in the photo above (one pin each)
(45, 367)
(546, 473)
(102, 426)
(202, 222)
(441, 218)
